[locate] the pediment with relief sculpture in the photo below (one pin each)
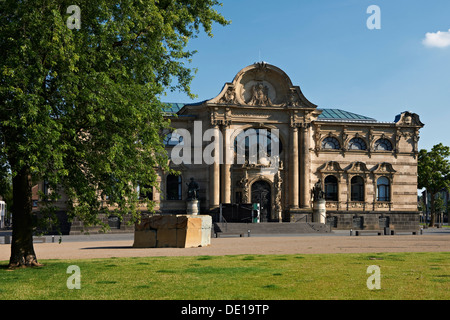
(262, 85)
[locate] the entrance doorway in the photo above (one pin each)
(261, 193)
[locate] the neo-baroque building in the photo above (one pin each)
(367, 169)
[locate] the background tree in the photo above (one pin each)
(80, 108)
(434, 173)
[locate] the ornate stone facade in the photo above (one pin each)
(367, 168)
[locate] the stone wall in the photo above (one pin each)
(374, 220)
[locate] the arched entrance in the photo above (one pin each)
(261, 193)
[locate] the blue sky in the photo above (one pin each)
(326, 48)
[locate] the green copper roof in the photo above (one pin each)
(173, 107)
(338, 114)
(327, 114)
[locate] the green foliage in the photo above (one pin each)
(80, 108)
(434, 174)
(434, 168)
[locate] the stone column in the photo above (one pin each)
(305, 194)
(294, 169)
(349, 189)
(215, 176)
(226, 167)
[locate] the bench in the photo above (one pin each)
(413, 231)
(39, 239)
(8, 239)
(361, 232)
(221, 234)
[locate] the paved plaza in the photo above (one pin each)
(120, 245)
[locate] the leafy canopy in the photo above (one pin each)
(79, 108)
(434, 168)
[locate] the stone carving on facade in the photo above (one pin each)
(409, 119)
(331, 205)
(243, 183)
(332, 166)
(261, 66)
(345, 136)
(296, 120)
(371, 141)
(317, 137)
(384, 168)
(260, 95)
(356, 205)
(252, 115)
(292, 99)
(278, 206)
(357, 167)
(229, 97)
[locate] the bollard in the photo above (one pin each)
(53, 239)
(248, 232)
(351, 232)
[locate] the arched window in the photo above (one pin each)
(383, 189)
(357, 144)
(331, 188)
(383, 145)
(330, 143)
(256, 143)
(173, 187)
(357, 189)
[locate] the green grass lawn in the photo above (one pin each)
(404, 276)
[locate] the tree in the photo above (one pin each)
(80, 102)
(434, 173)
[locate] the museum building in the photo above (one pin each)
(367, 169)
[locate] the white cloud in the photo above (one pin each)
(440, 39)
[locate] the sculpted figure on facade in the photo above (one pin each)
(278, 200)
(245, 190)
(260, 95)
(229, 97)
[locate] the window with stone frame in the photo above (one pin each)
(383, 145)
(383, 189)
(357, 189)
(331, 188)
(357, 144)
(330, 143)
(173, 187)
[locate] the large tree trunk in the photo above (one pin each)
(22, 250)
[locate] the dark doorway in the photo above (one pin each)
(261, 193)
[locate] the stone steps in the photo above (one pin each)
(270, 228)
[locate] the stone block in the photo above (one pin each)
(166, 238)
(189, 238)
(144, 239)
(163, 222)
